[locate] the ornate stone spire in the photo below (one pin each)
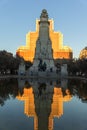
(43, 60)
(44, 15)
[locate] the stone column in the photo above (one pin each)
(43, 59)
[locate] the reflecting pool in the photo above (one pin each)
(42, 104)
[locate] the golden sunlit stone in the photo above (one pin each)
(83, 53)
(59, 51)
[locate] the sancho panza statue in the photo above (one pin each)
(43, 60)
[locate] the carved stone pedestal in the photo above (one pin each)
(43, 64)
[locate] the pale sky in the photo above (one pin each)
(18, 17)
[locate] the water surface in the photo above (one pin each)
(43, 104)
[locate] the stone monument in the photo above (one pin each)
(64, 71)
(43, 63)
(21, 70)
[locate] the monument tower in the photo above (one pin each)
(43, 60)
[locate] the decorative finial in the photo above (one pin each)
(44, 14)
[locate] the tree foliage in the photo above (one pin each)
(78, 66)
(10, 63)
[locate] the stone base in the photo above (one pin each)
(46, 74)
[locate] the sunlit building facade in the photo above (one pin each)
(83, 53)
(59, 50)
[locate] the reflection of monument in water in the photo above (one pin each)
(44, 101)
